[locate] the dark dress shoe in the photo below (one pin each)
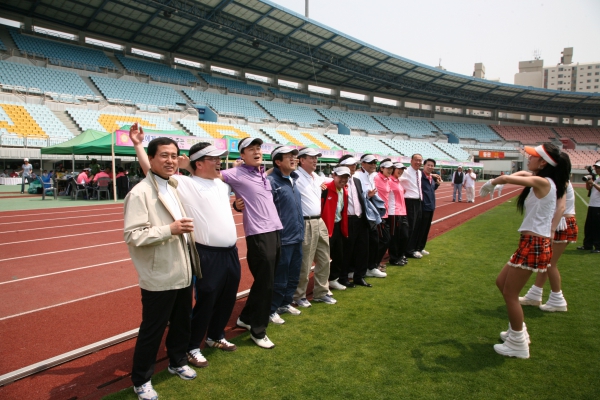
(346, 283)
(396, 262)
(584, 248)
(362, 282)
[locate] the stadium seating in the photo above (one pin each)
(582, 158)
(299, 138)
(62, 53)
(227, 105)
(489, 147)
(415, 128)
(361, 144)
(111, 121)
(410, 147)
(157, 71)
(126, 92)
(580, 134)
(234, 86)
(9, 139)
(219, 130)
(2, 46)
(32, 121)
(352, 120)
(525, 134)
(297, 97)
(45, 80)
(454, 150)
(480, 132)
(303, 116)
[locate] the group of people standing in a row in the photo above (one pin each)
(181, 228)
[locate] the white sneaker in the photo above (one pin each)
(504, 350)
(526, 301)
(196, 358)
(335, 285)
(265, 343)
(303, 303)
(185, 372)
(424, 252)
(351, 275)
(276, 319)
(553, 308)
(327, 299)
(289, 310)
(376, 273)
(243, 325)
(146, 392)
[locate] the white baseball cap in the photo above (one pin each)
(368, 158)
(349, 161)
(210, 151)
(247, 142)
(283, 150)
(26, 159)
(339, 171)
(309, 152)
(597, 164)
(386, 164)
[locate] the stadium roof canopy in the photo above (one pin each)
(263, 36)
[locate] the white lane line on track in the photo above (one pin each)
(582, 199)
(61, 212)
(61, 226)
(67, 302)
(59, 251)
(61, 237)
(470, 208)
(64, 271)
(53, 219)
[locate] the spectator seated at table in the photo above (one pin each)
(84, 177)
(101, 174)
(14, 174)
(4, 174)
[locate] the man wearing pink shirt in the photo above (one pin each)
(101, 174)
(397, 220)
(84, 177)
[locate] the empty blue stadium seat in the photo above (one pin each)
(233, 86)
(303, 116)
(354, 121)
(298, 97)
(122, 91)
(227, 105)
(58, 53)
(361, 144)
(409, 147)
(157, 71)
(479, 132)
(412, 127)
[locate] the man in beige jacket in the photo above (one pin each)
(160, 240)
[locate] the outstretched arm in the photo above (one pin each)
(540, 185)
(136, 134)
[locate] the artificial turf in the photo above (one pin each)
(424, 332)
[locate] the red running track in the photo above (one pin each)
(66, 281)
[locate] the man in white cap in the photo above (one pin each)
(457, 180)
(26, 170)
(288, 202)
(316, 238)
(469, 184)
(334, 212)
(366, 175)
(262, 227)
(356, 245)
(205, 198)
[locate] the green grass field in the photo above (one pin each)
(424, 332)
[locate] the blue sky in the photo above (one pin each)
(464, 32)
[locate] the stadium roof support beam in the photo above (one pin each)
(33, 7)
(94, 15)
(148, 21)
(200, 24)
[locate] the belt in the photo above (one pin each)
(313, 217)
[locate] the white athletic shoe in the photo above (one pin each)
(265, 343)
(375, 273)
(553, 308)
(335, 285)
(276, 319)
(424, 252)
(146, 392)
(288, 310)
(504, 350)
(526, 301)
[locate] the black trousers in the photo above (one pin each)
(383, 232)
(398, 236)
(336, 252)
(158, 308)
(356, 245)
(216, 292)
(591, 230)
(426, 218)
(413, 216)
(263, 256)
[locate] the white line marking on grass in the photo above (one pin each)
(59, 212)
(582, 199)
(53, 219)
(67, 302)
(61, 226)
(60, 237)
(467, 209)
(66, 270)
(60, 251)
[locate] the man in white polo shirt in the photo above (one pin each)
(413, 198)
(316, 237)
(205, 198)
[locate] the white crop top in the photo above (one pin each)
(570, 207)
(539, 212)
